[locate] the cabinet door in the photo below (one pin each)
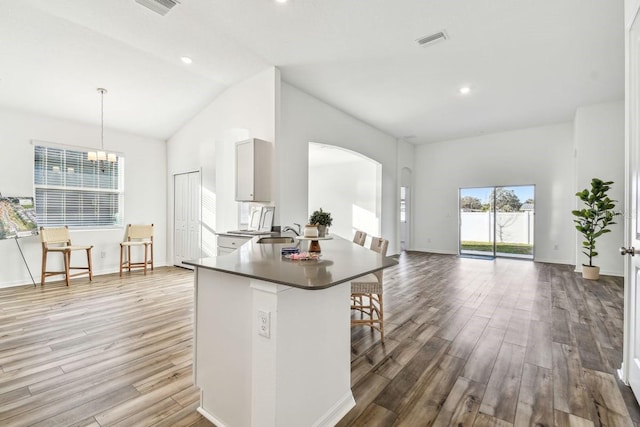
(224, 251)
(244, 171)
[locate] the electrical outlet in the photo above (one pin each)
(264, 323)
(103, 254)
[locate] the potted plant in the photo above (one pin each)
(322, 219)
(593, 221)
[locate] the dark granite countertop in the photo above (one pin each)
(341, 261)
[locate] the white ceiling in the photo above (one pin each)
(528, 63)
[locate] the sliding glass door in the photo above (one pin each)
(497, 221)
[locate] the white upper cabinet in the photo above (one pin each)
(253, 171)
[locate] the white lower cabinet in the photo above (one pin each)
(228, 244)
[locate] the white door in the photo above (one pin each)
(405, 209)
(180, 217)
(193, 212)
(631, 354)
(187, 214)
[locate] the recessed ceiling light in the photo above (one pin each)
(464, 90)
(186, 60)
(281, 1)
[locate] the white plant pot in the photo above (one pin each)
(590, 273)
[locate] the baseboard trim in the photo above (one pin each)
(329, 419)
(210, 417)
(105, 271)
(337, 411)
(578, 269)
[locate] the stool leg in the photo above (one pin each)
(145, 259)
(89, 264)
(381, 318)
(121, 253)
(44, 266)
(67, 261)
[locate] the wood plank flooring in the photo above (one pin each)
(468, 343)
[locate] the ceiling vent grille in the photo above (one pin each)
(433, 38)
(158, 6)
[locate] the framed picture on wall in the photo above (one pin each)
(17, 217)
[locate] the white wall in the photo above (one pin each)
(348, 186)
(541, 156)
(305, 119)
(144, 200)
(599, 146)
(246, 110)
(630, 8)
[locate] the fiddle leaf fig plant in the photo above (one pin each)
(594, 219)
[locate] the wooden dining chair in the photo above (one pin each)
(58, 239)
(366, 294)
(140, 236)
(359, 237)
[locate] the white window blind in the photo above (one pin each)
(71, 190)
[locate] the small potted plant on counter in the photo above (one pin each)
(322, 219)
(593, 221)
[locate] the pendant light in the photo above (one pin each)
(101, 155)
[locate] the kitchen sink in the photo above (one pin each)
(275, 240)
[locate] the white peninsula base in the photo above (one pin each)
(297, 376)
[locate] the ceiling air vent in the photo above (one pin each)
(433, 38)
(159, 6)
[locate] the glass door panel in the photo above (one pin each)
(476, 222)
(514, 221)
(497, 221)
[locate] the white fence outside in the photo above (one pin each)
(511, 227)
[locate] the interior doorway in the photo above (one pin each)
(497, 221)
(349, 186)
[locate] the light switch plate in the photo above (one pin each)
(264, 323)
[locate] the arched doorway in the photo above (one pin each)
(349, 186)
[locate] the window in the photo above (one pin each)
(71, 190)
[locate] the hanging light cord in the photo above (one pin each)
(102, 92)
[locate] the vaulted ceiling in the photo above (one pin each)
(527, 63)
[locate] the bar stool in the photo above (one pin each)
(58, 239)
(366, 293)
(137, 235)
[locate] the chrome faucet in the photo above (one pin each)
(289, 228)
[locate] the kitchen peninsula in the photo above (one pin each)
(272, 335)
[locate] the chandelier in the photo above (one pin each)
(101, 155)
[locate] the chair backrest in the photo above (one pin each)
(55, 235)
(359, 237)
(137, 231)
(379, 245)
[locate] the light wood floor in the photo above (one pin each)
(469, 342)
